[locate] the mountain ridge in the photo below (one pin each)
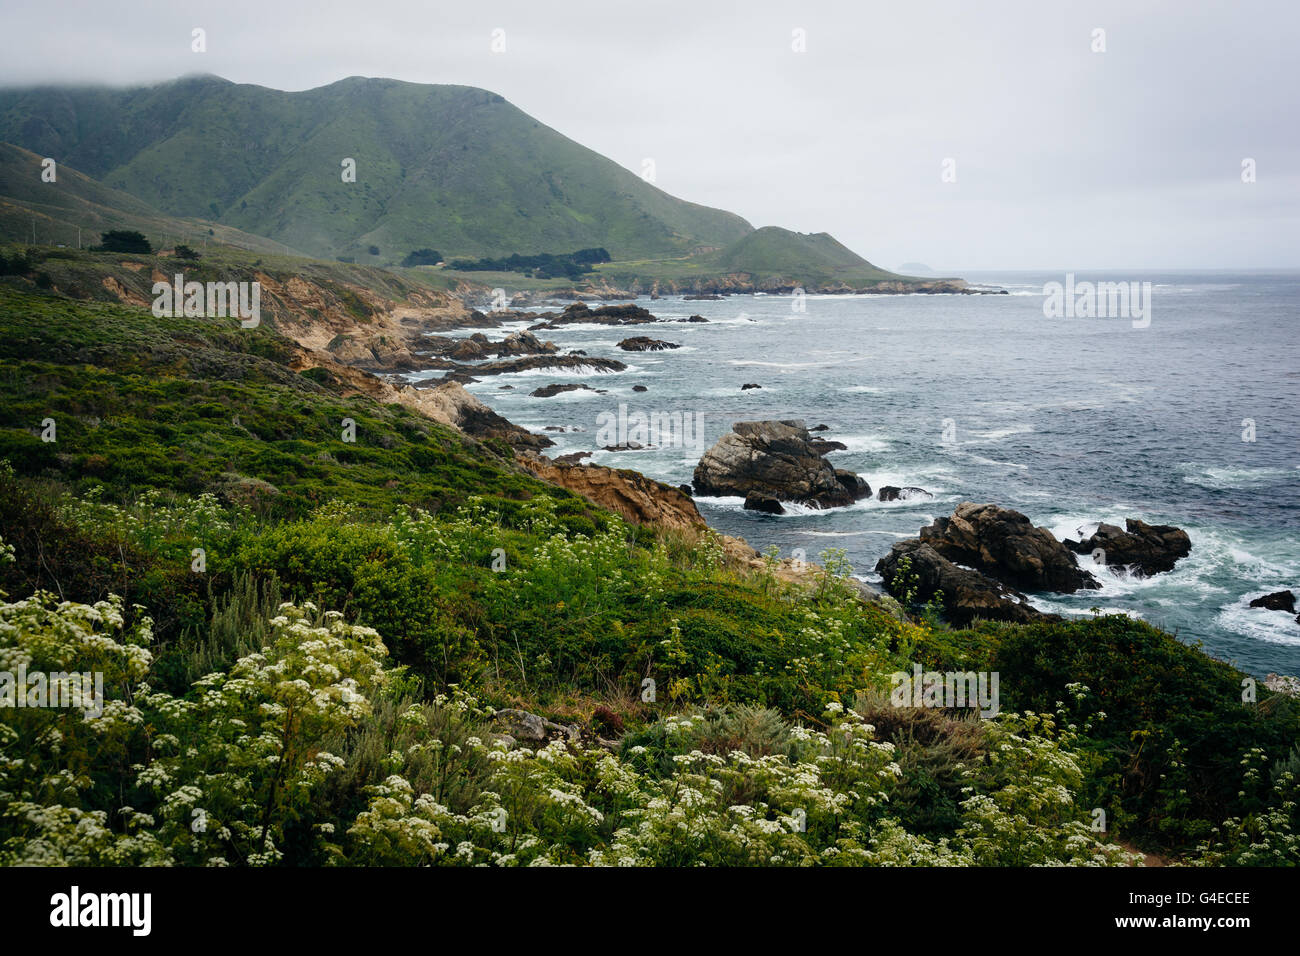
(454, 167)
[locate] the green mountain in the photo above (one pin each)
(75, 207)
(454, 168)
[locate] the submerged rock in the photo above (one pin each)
(910, 493)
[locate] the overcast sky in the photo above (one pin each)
(1064, 158)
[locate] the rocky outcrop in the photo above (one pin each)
(643, 343)
(637, 498)
(778, 460)
(527, 363)
(604, 315)
(478, 346)
(895, 493)
(524, 343)
(550, 391)
(1004, 545)
(1277, 601)
(1143, 548)
(913, 569)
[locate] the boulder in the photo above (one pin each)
(1146, 549)
(967, 595)
(756, 501)
(749, 385)
(1004, 545)
(825, 445)
(1277, 601)
(530, 728)
(895, 493)
(774, 458)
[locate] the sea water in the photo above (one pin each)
(1191, 419)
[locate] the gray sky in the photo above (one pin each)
(1065, 158)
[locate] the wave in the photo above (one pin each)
(1273, 627)
(1222, 478)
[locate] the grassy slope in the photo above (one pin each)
(77, 201)
(455, 168)
(187, 404)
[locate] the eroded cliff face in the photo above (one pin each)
(368, 327)
(637, 498)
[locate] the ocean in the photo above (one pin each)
(1188, 416)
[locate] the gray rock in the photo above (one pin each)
(1147, 549)
(775, 459)
(1004, 545)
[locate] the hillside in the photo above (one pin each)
(449, 167)
(770, 259)
(76, 201)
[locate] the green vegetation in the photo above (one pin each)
(73, 209)
(124, 240)
(422, 257)
(303, 642)
(572, 265)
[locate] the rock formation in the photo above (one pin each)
(778, 460)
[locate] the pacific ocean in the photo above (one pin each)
(1191, 420)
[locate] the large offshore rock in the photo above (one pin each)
(777, 459)
(1145, 548)
(1005, 545)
